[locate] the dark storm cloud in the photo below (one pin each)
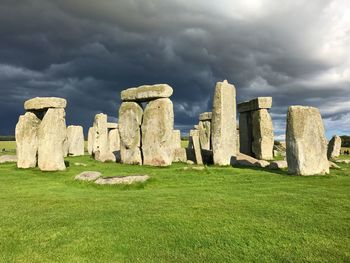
(88, 51)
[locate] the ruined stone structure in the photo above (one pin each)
(223, 123)
(41, 134)
(100, 143)
(75, 136)
(306, 142)
(146, 134)
(256, 129)
(334, 147)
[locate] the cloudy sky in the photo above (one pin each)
(87, 51)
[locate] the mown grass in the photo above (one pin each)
(220, 214)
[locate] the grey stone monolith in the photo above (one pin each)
(157, 133)
(51, 136)
(223, 124)
(130, 118)
(306, 142)
(27, 140)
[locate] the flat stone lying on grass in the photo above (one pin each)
(80, 164)
(246, 160)
(123, 179)
(278, 165)
(343, 161)
(333, 165)
(88, 176)
(8, 159)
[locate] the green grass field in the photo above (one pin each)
(221, 214)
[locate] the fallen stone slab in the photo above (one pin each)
(245, 160)
(255, 104)
(343, 161)
(88, 176)
(80, 164)
(333, 165)
(8, 159)
(147, 93)
(205, 116)
(40, 103)
(122, 179)
(278, 165)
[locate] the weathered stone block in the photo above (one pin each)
(224, 123)
(306, 142)
(147, 93)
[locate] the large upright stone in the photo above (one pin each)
(196, 146)
(130, 118)
(176, 139)
(147, 93)
(114, 140)
(52, 134)
(40, 103)
(75, 137)
(263, 136)
(245, 133)
(334, 147)
(255, 104)
(27, 140)
(157, 133)
(224, 123)
(306, 142)
(100, 147)
(204, 131)
(91, 135)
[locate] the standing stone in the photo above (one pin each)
(204, 131)
(224, 123)
(75, 137)
(114, 140)
(27, 140)
(176, 139)
(334, 147)
(130, 118)
(52, 134)
(245, 133)
(65, 147)
(91, 135)
(306, 142)
(196, 146)
(263, 137)
(100, 147)
(157, 133)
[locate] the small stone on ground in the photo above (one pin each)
(8, 159)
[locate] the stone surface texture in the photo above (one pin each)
(114, 140)
(41, 103)
(157, 133)
(27, 140)
(306, 142)
(204, 132)
(263, 136)
(75, 137)
(224, 123)
(122, 179)
(255, 104)
(52, 134)
(147, 93)
(88, 176)
(130, 118)
(334, 147)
